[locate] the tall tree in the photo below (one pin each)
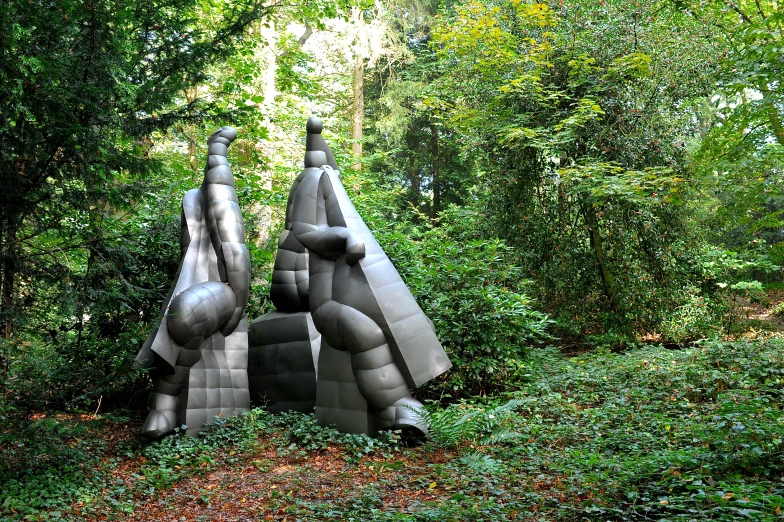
(413, 137)
(83, 86)
(582, 111)
(741, 154)
(358, 87)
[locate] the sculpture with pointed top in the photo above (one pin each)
(376, 343)
(199, 353)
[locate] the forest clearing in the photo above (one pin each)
(580, 204)
(690, 434)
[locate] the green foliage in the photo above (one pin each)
(698, 317)
(465, 423)
(306, 435)
(82, 333)
(51, 463)
(474, 294)
(730, 281)
(47, 463)
(738, 155)
(583, 164)
(88, 224)
(655, 433)
(615, 164)
(650, 433)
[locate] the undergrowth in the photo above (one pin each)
(648, 434)
(654, 433)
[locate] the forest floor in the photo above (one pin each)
(323, 484)
(764, 311)
(647, 434)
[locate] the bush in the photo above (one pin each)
(474, 294)
(730, 279)
(655, 434)
(694, 319)
(46, 377)
(305, 434)
(49, 462)
(466, 423)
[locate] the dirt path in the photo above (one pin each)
(312, 486)
(766, 311)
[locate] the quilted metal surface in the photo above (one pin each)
(199, 352)
(376, 341)
(282, 361)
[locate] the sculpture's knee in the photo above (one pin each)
(325, 318)
(382, 386)
(198, 312)
(359, 332)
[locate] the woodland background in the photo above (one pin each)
(585, 197)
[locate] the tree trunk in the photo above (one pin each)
(81, 299)
(268, 58)
(775, 122)
(413, 173)
(436, 169)
(606, 275)
(769, 100)
(190, 97)
(358, 112)
(9, 279)
(269, 64)
(3, 345)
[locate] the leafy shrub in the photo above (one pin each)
(46, 378)
(474, 294)
(471, 288)
(466, 423)
(693, 434)
(49, 462)
(304, 433)
(731, 279)
(78, 339)
(694, 319)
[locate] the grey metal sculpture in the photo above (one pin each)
(282, 361)
(376, 342)
(199, 353)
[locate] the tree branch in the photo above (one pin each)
(741, 13)
(759, 8)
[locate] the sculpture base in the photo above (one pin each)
(282, 359)
(218, 383)
(339, 401)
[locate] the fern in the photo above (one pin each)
(481, 463)
(501, 435)
(461, 424)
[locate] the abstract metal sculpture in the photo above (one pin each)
(199, 353)
(282, 361)
(376, 342)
